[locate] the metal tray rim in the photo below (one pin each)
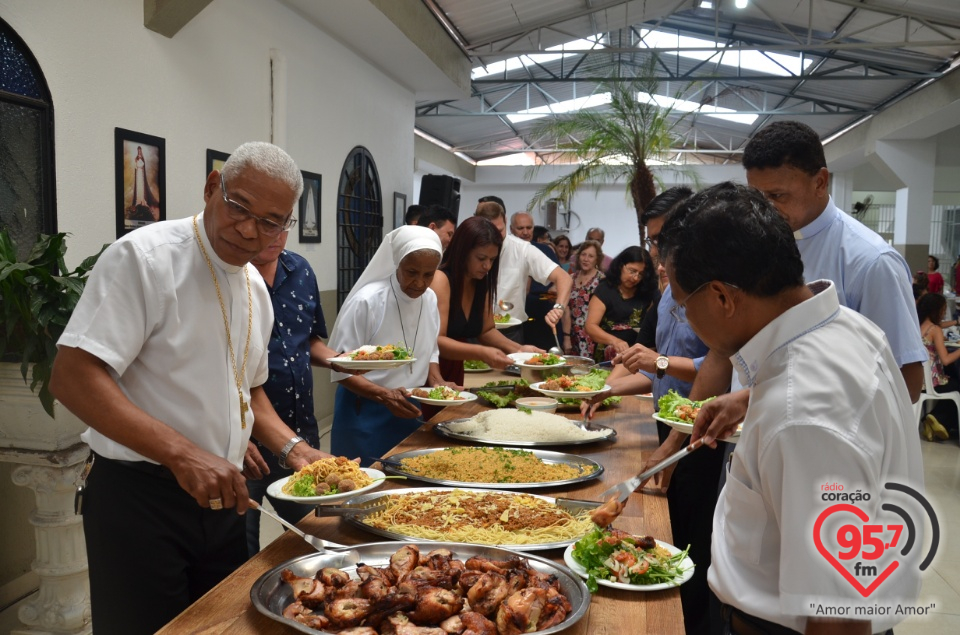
(356, 519)
(442, 430)
(462, 550)
(546, 455)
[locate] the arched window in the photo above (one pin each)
(27, 190)
(359, 219)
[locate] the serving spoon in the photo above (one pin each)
(506, 306)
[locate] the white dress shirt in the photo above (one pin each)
(518, 261)
(150, 312)
(827, 405)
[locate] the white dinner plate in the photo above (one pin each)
(370, 364)
(686, 564)
(275, 489)
(520, 359)
(505, 325)
(466, 397)
(950, 344)
(687, 428)
(647, 396)
(568, 394)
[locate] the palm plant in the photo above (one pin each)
(614, 144)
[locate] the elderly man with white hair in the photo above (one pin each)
(165, 358)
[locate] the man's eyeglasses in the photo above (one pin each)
(648, 243)
(681, 315)
(239, 213)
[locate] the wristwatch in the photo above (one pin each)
(558, 306)
(285, 452)
(662, 363)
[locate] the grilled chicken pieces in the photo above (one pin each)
(432, 594)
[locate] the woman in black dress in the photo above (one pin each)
(466, 286)
(623, 309)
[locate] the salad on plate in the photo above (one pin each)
(380, 353)
(613, 556)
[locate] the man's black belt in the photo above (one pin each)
(145, 467)
(741, 623)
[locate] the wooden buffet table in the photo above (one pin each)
(227, 607)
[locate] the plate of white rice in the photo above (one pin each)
(525, 429)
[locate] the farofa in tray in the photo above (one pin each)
(490, 465)
(485, 518)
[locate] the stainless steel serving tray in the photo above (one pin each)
(544, 455)
(270, 595)
(444, 430)
(571, 505)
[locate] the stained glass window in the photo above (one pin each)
(359, 219)
(26, 144)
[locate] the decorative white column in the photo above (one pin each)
(62, 604)
(48, 457)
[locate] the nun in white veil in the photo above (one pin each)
(392, 302)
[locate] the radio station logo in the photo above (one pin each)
(865, 551)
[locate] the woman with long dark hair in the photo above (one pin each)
(943, 419)
(466, 285)
(621, 303)
(565, 252)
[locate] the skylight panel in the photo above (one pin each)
(551, 54)
(601, 99)
(560, 107)
(769, 63)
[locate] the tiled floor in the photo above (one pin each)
(941, 584)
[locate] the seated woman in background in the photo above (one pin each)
(622, 309)
(391, 303)
(466, 287)
(934, 279)
(942, 421)
(564, 251)
(586, 278)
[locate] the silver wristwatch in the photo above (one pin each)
(558, 306)
(285, 452)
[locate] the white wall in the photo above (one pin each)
(207, 87)
(608, 208)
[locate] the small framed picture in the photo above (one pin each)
(309, 220)
(399, 209)
(140, 174)
(215, 160)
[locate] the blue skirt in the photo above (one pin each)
(366, 429)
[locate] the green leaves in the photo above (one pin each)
(36, 302)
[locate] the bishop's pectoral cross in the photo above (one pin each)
(243, 411)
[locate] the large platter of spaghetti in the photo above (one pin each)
(493, 467)
(476, 516)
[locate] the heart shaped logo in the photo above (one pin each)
(862, 515)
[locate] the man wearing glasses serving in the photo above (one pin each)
(164, 358)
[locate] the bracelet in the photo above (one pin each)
(285, 452)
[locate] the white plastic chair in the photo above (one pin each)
(929, 393)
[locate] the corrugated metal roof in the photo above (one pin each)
(862, 56)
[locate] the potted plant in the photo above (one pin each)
(36, 301)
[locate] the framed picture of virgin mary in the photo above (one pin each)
(140, 174)
(309, 208)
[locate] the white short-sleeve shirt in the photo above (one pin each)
(518, 261)
(150, 312)
(827, 405)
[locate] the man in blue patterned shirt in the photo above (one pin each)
(295, 345)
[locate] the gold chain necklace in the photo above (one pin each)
(237, 375)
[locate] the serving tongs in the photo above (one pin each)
(623, 490)
(353, 509)
(319, 544)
